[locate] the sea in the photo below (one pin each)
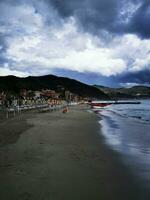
(126, 129)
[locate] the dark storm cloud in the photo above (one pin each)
(92, 15)
(140, 23)
(141, 77)
(97, 15)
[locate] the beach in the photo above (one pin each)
(61, 156)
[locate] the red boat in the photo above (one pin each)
(99, 105)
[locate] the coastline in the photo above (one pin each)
(62, 156)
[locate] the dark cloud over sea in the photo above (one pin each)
(142, 77)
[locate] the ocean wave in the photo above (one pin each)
(139, 112)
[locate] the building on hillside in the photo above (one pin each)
(69, 96)
(37, 94)
(49, 94)
(23, 93)
(2, 98)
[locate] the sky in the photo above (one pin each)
(105, 42)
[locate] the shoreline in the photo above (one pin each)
(63, 156)
(129, 138)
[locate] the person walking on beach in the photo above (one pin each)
(65, 109)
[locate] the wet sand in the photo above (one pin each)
(61, 157)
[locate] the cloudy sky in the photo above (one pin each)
(95, 41)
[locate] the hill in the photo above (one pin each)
(15, 84)
(121, 93)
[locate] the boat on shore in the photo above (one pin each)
(99, 105)
(106, 104)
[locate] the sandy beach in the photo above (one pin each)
(56, 156)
